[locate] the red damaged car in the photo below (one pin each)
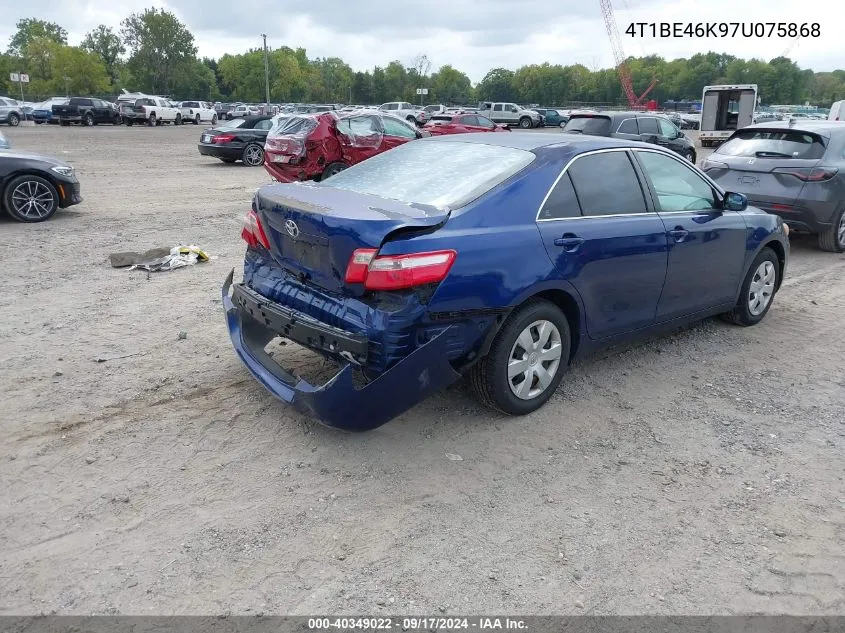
(462, 123)
(314, 147)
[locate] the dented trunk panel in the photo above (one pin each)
(314, 229)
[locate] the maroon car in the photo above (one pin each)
(462, 123)
(316, 146)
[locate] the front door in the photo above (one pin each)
(607, 242)
(707, 244)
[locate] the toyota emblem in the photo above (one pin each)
(292, 228)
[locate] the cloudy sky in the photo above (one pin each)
(472, 35)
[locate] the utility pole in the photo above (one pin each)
(266, 76)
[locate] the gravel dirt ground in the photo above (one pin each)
(696, 473)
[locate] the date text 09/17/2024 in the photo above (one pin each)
(416, 623)
(723, 29)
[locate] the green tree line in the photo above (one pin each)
(154, 52)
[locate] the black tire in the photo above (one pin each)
(742, 314)
(253, 155)
(332, 169)
(39, 184)
(197, 120)
(489, 376)
(130, 122)
(214, 119)
(833, 240)
(178, 120)
(64, 123)
(152, 121)
(690, 156)
(88, 120)
(525, 123)
(14, 120)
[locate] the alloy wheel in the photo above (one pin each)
(253, 155)
(840, 231)
(32, 200)
(534, 359)
(762, 288)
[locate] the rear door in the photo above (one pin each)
(759, 162)
(747, 105)
(498, 114)
(707, 245)
(607, 241)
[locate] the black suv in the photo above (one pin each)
(648, 127)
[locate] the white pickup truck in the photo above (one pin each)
(510, 114)
(150, 110)
(406, 111)
(198, 112)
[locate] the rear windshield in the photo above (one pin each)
(294, 125)
(592, 125)
(233, 123)
(464, 172)
(145, 102)
(773, 144)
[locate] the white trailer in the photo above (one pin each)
(725, 109)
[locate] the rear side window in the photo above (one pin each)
(606, 184)
(773, 144)
(629, 126)
(562, 201)
(592, 125)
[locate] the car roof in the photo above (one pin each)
(531, 141)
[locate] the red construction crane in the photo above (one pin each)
(634, 102)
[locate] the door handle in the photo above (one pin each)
(569, 242)
(679, 234)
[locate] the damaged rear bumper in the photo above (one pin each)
(337, 403)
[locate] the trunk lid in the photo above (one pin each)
(64, 109)
(313, 229)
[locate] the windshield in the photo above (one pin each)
(593, 125)
(464, 172)
(773, 144)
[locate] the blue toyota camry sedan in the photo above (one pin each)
(497, 256)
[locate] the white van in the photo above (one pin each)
(837, 112)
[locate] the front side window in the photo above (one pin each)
(677, 186)
(483, 121)
(606, 184)
(497, 107)
(667, 129)
(396, 128)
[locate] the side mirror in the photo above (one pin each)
(735, 202)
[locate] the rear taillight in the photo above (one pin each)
(395, 272)
(220, 139)
(253, 233)
(809, 174)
